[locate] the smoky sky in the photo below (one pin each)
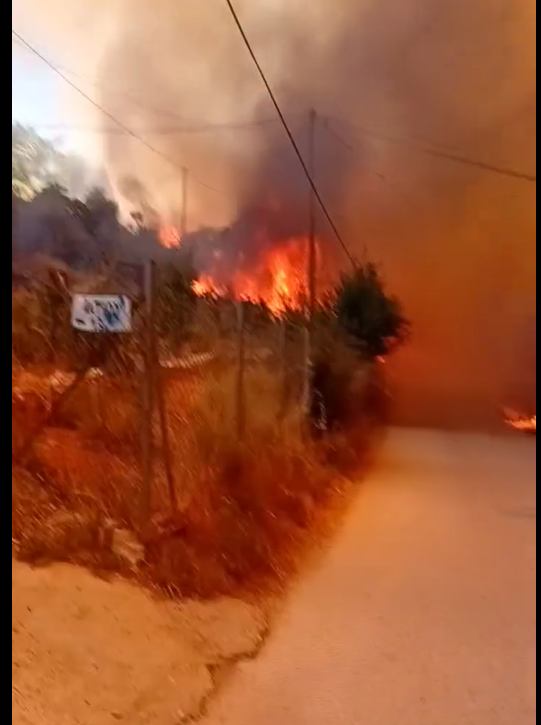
(457, 244)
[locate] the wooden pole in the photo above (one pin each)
(161, 391)
(312, 220)
(149, 377)
(166, 442)
(311, 266)
(282, 363)
(241, 364)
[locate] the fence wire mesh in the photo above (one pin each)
(223, 372)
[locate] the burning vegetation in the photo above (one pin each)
(457, 243)
(277, 280)
(169, 236)
(248, 504)
(262, 258)
(246, 500)
(256, 260)
(522, 423)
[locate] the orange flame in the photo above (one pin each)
(523, 423)
(169, 236)
(278, 279)
(205, 286)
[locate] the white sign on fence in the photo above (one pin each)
(101, 313)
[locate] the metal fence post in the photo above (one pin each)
(160, 392)
(147, 440)
(240, 403)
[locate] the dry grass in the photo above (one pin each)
(247, 508)
(29, 341)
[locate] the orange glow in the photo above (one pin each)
(169, 236)
(277, 278)
(524, 423)
(205, 286)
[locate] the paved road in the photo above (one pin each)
(423, 611)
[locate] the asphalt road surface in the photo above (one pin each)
(423, 610)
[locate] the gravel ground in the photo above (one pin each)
(90, 652)
(423, 611)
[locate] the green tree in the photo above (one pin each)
(372, 320)
(35, 162)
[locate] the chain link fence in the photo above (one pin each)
(180, 449)
(217, 373)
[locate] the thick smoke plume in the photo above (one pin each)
(457, 244)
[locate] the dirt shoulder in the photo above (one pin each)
(94, 652)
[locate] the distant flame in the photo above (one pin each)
(169, 236)
(523, 423)
(205, 286)
(278, 279)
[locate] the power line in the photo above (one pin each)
(378, 174)
(446, 155)
(92, 81)
(119, 92)
(288, 132)
(161, 131)
(404, 198)
(195, 128)
(109, 115)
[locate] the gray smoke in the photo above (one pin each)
(52, 227)
(458, 244)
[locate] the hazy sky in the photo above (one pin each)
(34, 90)
(38, 99)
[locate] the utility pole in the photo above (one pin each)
(311, 264)
(312, 219)
(184, 205)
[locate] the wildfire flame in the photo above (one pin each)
(261, 268)
(206, 286)
(169, 236)
(278, 279)
(523, 423)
